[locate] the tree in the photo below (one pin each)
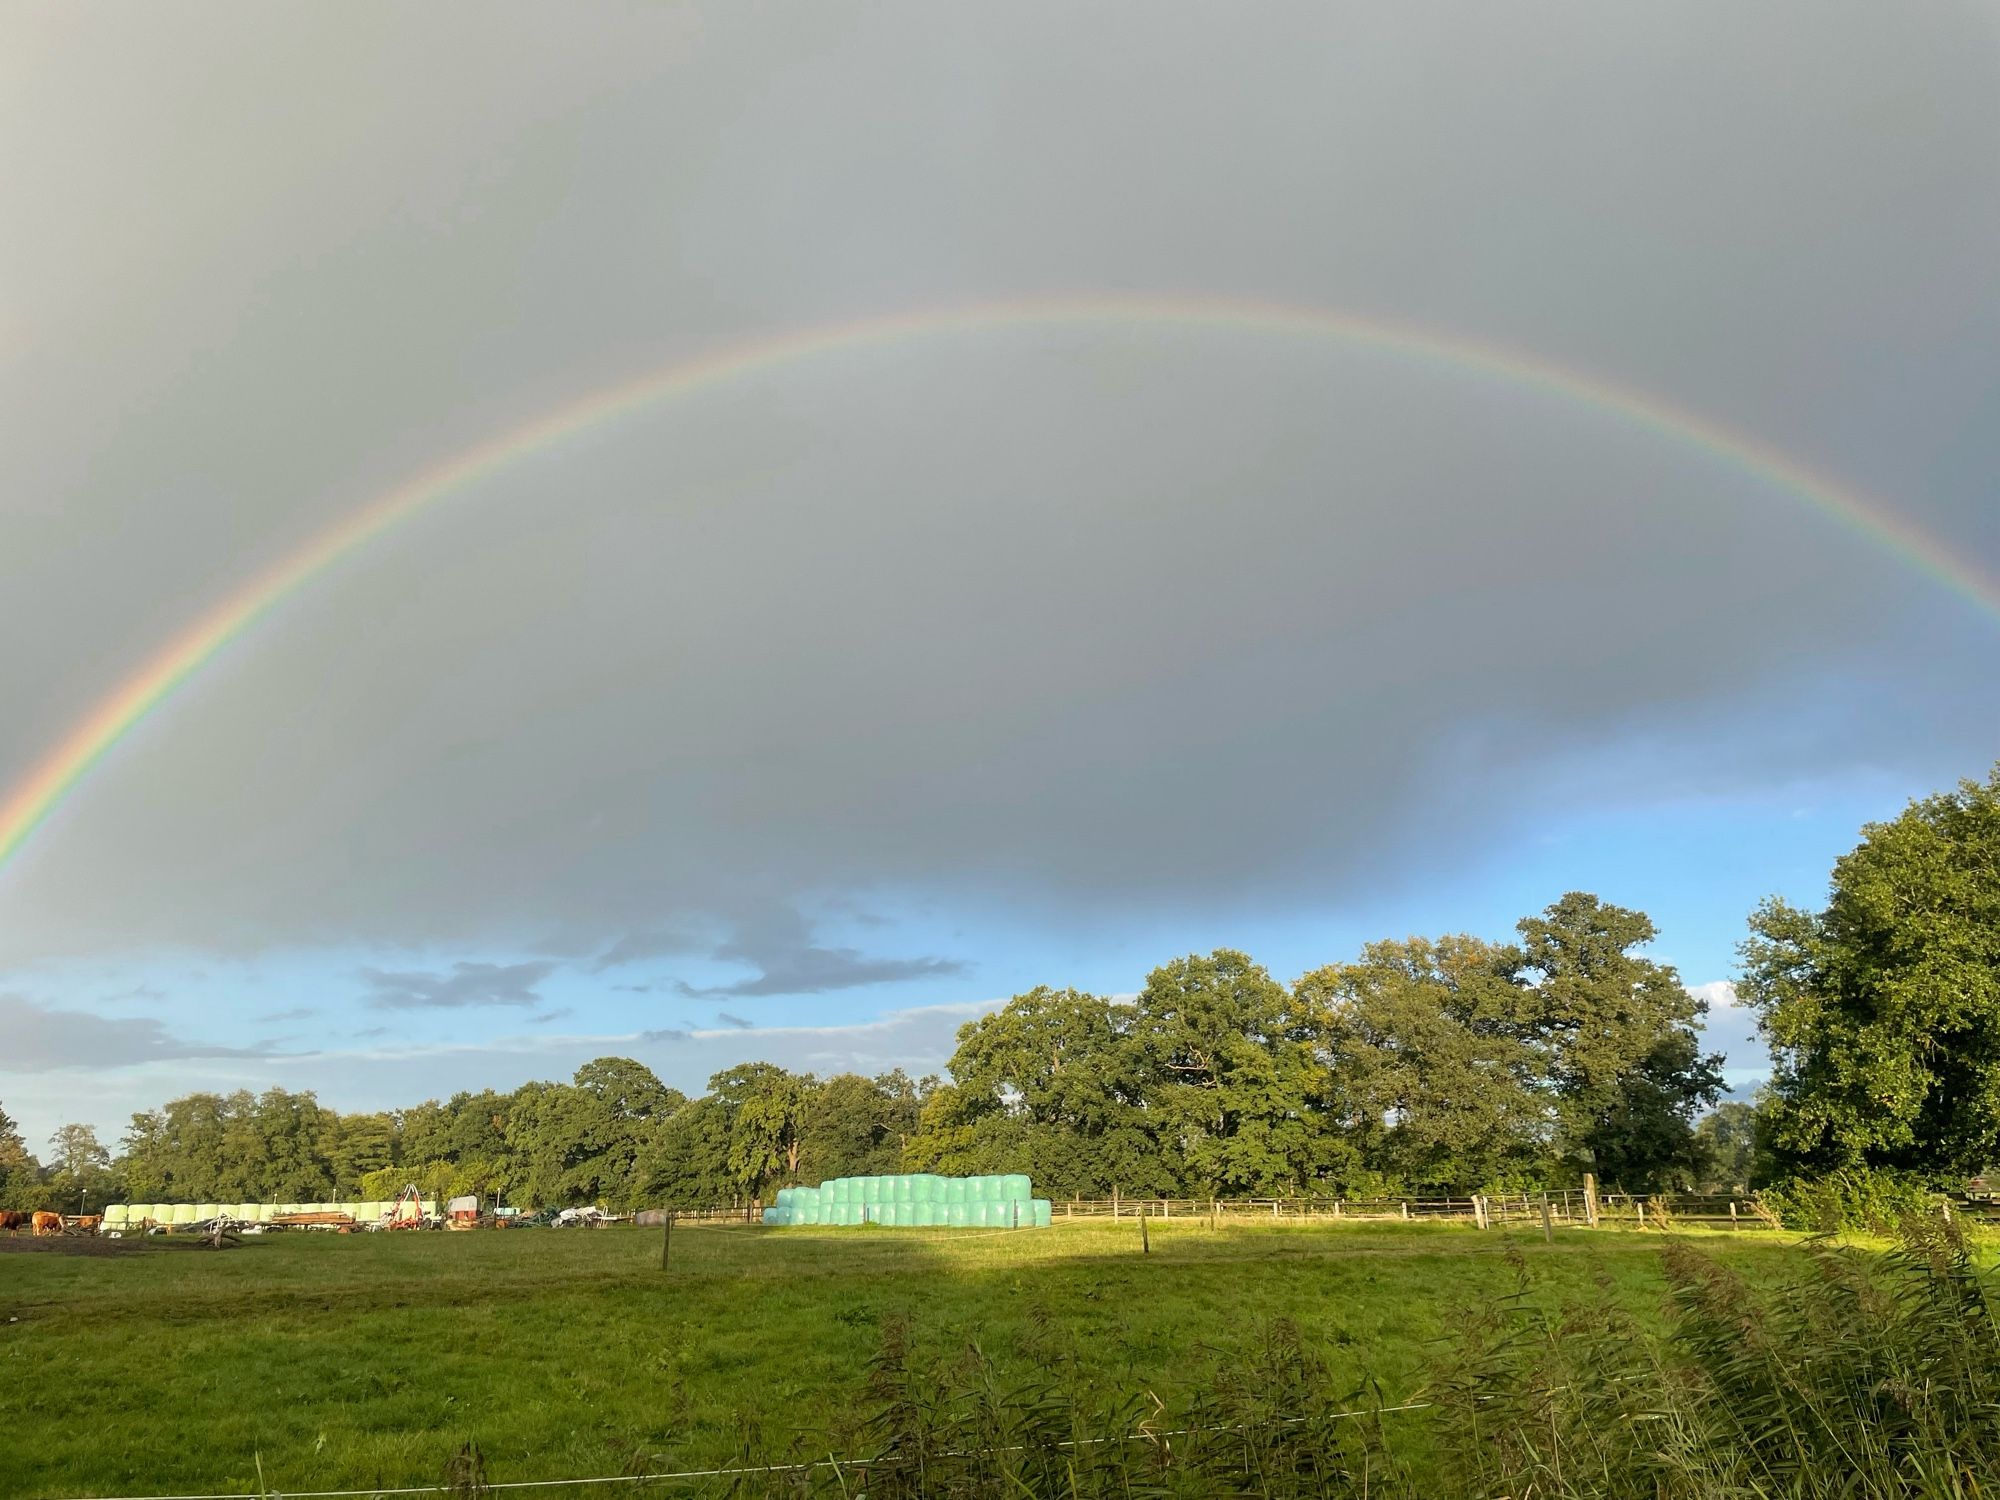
(858, 1127)
(79, 1169)
(20, 1173)
(1052, 1084)
(1440, 1086)
(1883, 1010)
(687, 1160)
(767, 1107)
(356, 1147)
(1728, 1137)
(1233, 1074)
(1620, 1053)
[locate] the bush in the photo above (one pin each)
(1854, 1198)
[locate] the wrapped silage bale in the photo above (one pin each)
(203, 1212)
(770, 1216)
(242, 1213)
(1015, 1185)
(138, 1213)
(905, 1189)
(955, 1190)
(1045, 1213)
(179, 1213)
(114, 1216)
(958, 1214)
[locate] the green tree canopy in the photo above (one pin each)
(1616, 1031)
(1441, 1085)
(1233, 1074)
(1883, 1010)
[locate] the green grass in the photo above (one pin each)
(345, 1362)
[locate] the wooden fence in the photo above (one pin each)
(1557, 1208)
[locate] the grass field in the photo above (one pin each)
(305, 1362)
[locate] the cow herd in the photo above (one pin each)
(42, 1222)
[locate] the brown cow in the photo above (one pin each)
(48, 1223)
(10, 1220)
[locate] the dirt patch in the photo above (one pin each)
(73, 1244)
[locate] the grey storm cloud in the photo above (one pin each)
(777, 942)
(724, 1018)
(35, 1037)
(297, 1013)
(1074, 623)
(465, 984)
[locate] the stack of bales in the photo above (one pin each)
(918, 1199)
(133, 1216)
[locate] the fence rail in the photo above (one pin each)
(1561, 1207)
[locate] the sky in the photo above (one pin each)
(806, 713)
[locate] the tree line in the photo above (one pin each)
(1428, 1064)
(1446, 1065)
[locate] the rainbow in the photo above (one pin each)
(30, 801)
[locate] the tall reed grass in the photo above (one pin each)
(1856, 1373)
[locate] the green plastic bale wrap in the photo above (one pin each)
(138, 1213)
(243, 1213)
(902, 1190)
(955, 1190)
(1045, 1213)
(958, 1214)
(927, 1187)
(115, 1215)
(178, 1213)
(770, 1216)
(203, 1212)
(1015, 1185)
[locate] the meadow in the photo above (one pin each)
(315, 1362)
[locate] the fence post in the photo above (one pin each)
(1166, 1208)
(1478, 1212)
(1548, 1224)
(1640, 1203)
(1114, 1200)
(1406, 1208)
(1732, 1213)
(1145, 1241)
(1274, 1208)
(667, 1240)
(1336, 1208)
(1590, 1199)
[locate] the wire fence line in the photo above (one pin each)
(1565, 1206)
(856, 1465)
(1560, 1207)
